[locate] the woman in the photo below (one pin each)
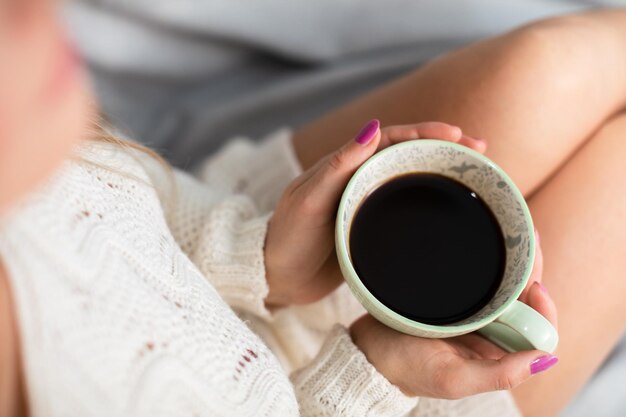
(103, 314)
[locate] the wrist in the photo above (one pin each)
(372, 338)
(341, 380)
(275, 297)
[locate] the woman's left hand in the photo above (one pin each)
(301, 265)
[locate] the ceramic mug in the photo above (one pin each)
(504, 320)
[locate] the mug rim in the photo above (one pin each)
(353, 278)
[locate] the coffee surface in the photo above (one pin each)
(428, 247)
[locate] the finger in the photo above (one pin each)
(537, 273)
(478, 376)
(321, 163)
(306, 175)
(324, 187)
(540, 300)
(478, 347)
(425, 130)
(479, 145)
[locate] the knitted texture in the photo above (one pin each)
(357, 390)
(125, 279)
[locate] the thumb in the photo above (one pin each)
(505, 373)
(328, 181)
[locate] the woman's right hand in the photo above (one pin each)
(455, 367)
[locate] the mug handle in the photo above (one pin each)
(521, 327)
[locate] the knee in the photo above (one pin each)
(569, 34)
(552, 56)
(570, 44)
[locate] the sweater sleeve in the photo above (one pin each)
(259, 170)
(220, 219)
(341, 382)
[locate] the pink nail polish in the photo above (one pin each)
(368, 132)
(543, 363)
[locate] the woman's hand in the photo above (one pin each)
(300, 260)
(456, 367)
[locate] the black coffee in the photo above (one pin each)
(428, 248)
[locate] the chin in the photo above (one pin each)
(37, 152)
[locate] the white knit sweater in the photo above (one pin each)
(126, 283)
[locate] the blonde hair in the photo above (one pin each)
(101, 131)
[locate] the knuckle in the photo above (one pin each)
(451, 389)
(337, 161)
(505, 382)
(289, 191)
(446, 382)
(452, 394)
(308, 203)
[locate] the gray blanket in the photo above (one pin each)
(186, 75)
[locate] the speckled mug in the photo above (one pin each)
(509, 323)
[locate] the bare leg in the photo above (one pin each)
(535, 94)
(581, 213)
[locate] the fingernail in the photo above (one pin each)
(543, 363)
(541, 287)
(368, 132)
(475, 138)
(537, 236)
